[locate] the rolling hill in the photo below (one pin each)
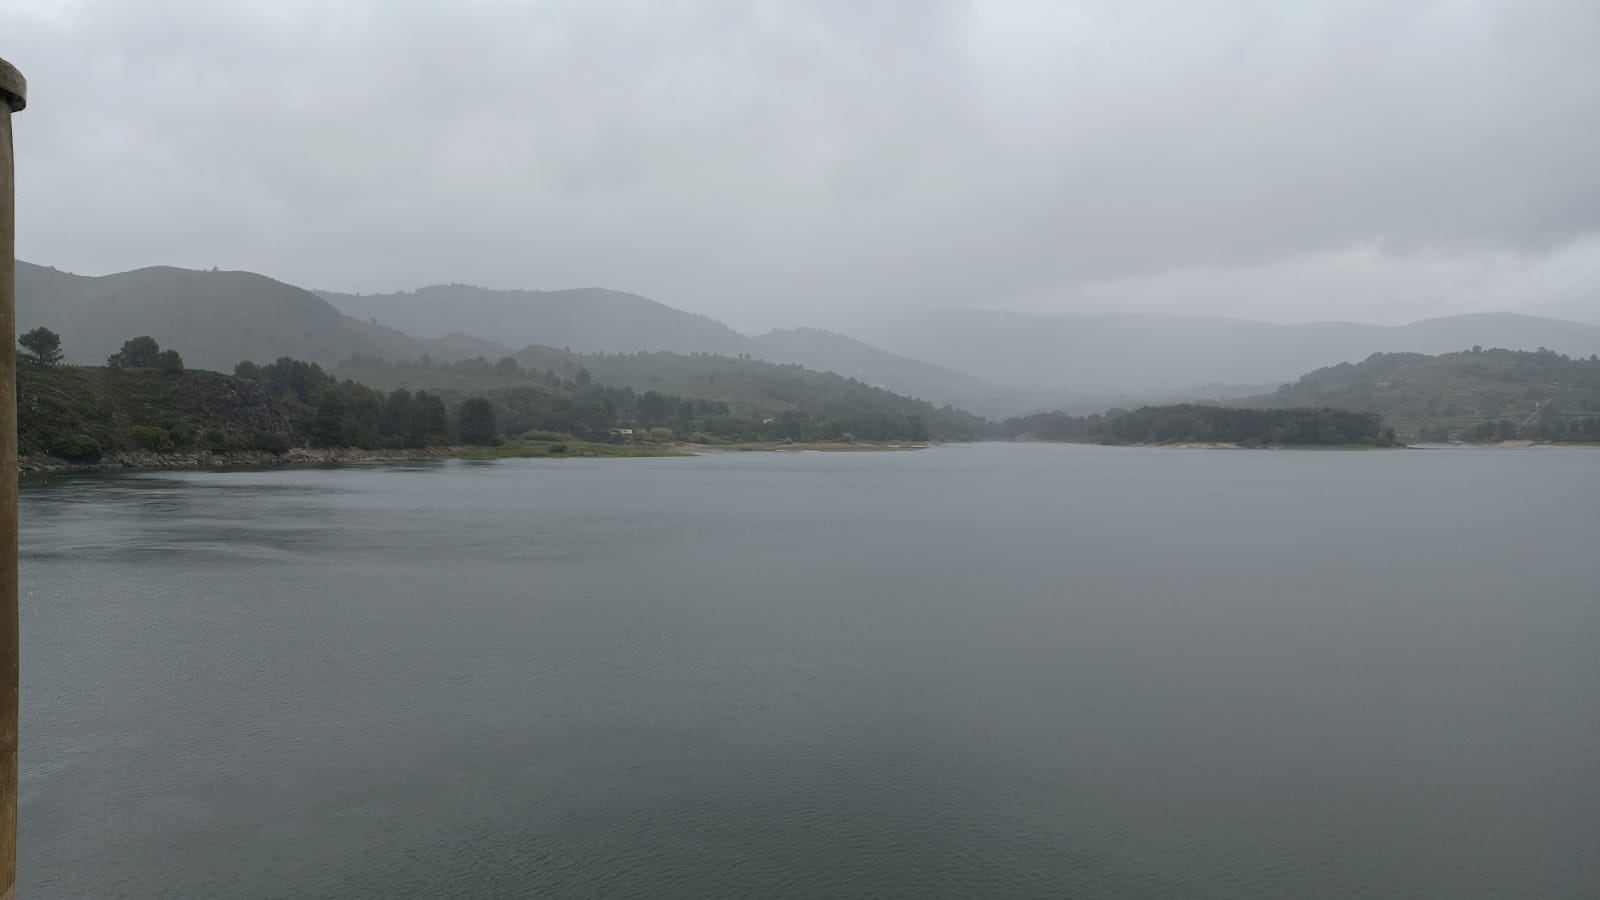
(748, 387)
(993, 362)
(595, 320)
(586, 320)
(76, 412)
(1421, 396)
(1140, 354)
(214, 319)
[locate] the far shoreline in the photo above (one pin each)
(206, 461)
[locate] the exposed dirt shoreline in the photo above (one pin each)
(200, 460)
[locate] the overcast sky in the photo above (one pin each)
(789, 163)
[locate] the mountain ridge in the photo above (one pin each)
(1098, 353)
(994, 362)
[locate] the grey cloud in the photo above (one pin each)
(783, 162)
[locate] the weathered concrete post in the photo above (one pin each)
(13, 96)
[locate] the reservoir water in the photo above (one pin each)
(981, 671)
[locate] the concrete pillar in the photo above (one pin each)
(13, 96)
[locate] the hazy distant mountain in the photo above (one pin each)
(584, 319)
(991, 362)
(215, 319)
(829, 351)
(1139, 353)
(595, 320)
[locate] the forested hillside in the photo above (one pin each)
(1193, 423)
(79, 412)
(1477, 394)
(749, 390)
(595, 320)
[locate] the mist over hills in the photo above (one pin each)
(215, 319)
(1142, 354)
(991, 362)
(596, 320)
(586, 320)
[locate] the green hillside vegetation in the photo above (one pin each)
(758, 389)
(735, 398)
(220, 318)
(1193, 423)
(1475, 395)
(595, 320)
(78, 412)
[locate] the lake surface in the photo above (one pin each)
(997, 671)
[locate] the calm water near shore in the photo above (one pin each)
(993, 670)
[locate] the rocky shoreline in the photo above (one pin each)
(231, 459)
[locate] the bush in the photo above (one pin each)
(478, 422)
(558, 447)
(153, 438)
(543, 436)
(76, 448)
(270, 442)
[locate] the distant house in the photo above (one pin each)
(623, 433)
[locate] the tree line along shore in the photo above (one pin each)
(145, 407)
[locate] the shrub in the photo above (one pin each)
(76, 448)
(558, 447)
(153, 438)
(478, 422)
(543, 436)
(270, 442)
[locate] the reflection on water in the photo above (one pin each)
(975, 671)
